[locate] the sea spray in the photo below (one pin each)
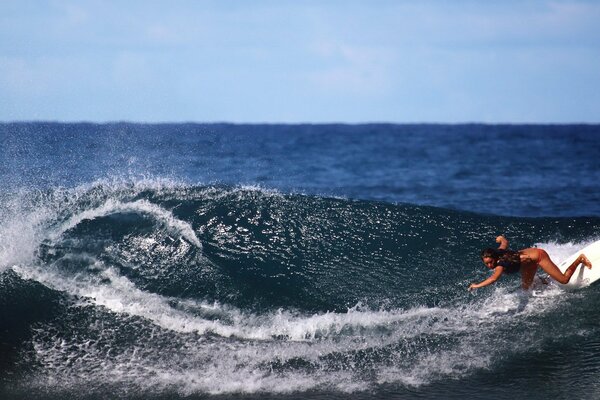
(157, 287)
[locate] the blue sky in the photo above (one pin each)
(300, 61)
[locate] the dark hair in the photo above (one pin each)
(498, 254)
(492, 253)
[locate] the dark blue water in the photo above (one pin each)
(498, 169)
(292, 261)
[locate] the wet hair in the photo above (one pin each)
(491, 253)
(501, 255)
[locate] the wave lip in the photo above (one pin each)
(138, 206)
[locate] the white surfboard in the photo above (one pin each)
(583, 276)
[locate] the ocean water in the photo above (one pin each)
(292, 261)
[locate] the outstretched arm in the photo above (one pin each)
(495, 276)
(503, 242)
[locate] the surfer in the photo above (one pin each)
(527, 261)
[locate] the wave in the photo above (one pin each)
(157, 286)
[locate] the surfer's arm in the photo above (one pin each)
(495, 276)
(503, 242)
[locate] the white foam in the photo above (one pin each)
(20, 233)
(217, 367)
(238, 359)
(480, 328)
(467, 332)
(120, 295)
(559, 252)
(29, 217)
(141, 206)
(241, 363)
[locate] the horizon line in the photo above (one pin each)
(190, 122)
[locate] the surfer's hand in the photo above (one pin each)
(501, 239)
(471, 287)
(503, 242)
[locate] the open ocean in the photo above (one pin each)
(221, 261)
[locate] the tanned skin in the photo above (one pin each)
(531, 259)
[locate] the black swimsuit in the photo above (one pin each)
(510, 261)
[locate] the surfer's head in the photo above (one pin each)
(489, 257)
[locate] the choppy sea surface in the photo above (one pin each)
(229, 261)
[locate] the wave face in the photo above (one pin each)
(153, 288)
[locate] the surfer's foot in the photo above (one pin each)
(584, 260)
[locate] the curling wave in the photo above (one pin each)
(206, 289)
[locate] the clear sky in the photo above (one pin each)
(300, 61)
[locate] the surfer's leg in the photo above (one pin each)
(527, 274)
(551, 269)
(585, 261)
